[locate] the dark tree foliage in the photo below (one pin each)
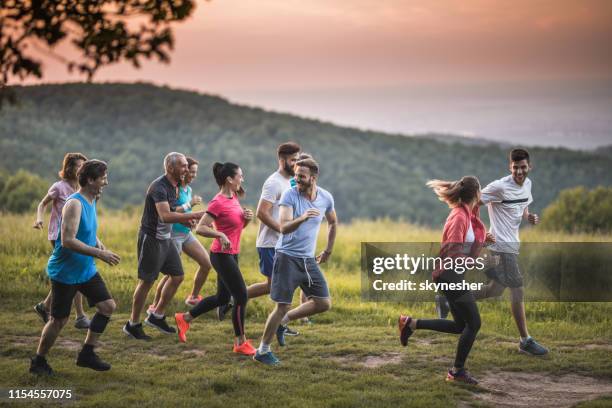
(580, 210)
(104, 32)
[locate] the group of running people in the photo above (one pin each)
(291, 209)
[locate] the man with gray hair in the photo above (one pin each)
(156, 253)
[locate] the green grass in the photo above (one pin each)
(322, 366)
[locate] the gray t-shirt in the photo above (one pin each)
(506, 202)
(303, 241)
(272, 190)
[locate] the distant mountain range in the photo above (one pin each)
(371, 174)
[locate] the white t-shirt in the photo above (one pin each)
(469, 239)
(506, 202)
(272, 189)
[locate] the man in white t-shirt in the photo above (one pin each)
(507, 200)
(268, 213)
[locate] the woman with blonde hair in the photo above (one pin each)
(464, 236)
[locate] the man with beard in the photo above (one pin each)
(71, 269)
(267, 212)
(302, 210)
(156, 252)
(507, 200)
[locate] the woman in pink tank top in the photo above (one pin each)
(56, 196)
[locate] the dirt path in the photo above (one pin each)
(514, 389)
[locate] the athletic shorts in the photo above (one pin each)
(180, 239)
(155, 256)
(507, 272)
(62, 294)
(266, 261)
(291, 272)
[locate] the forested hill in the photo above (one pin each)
(372, 175)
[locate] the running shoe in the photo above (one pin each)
(290, 332)
(442, 306)
(404, 328)
(160, 324)
(245, 348)
(280, 334)
(182, 326)
(39, 366)
(532, 347)
(41, 312)
(461, 376)
(89, 359)
(266, 358)
(135, 331)
(223, 310)
(82, 322)
(193, 301)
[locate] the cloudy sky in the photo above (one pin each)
(291, 55)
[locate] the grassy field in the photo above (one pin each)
(350, 356)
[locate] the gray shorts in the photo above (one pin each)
(180, 239)
(289, 273)
(507, 272)
(155, 256)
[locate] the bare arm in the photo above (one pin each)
(71, 218)
(206, 229)
(264, 213)
(40, 211)
(171, 217)
(332, 228)
(288, 224)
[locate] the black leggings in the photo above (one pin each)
(229, 283)
(466, 318)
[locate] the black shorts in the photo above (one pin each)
(155, 256)
(507, 272)
(94, 290)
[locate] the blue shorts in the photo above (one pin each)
(266, 261)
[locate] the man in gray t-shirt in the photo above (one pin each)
(268, 213)
(302, 210)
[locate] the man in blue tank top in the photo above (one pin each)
(72, 268)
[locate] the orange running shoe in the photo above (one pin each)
(245, 348)
(182, 327)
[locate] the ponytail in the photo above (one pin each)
(222, 171)
(455, 193)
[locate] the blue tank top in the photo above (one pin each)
(183, 198)
(67, 266)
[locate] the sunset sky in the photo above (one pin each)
(253, 51)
